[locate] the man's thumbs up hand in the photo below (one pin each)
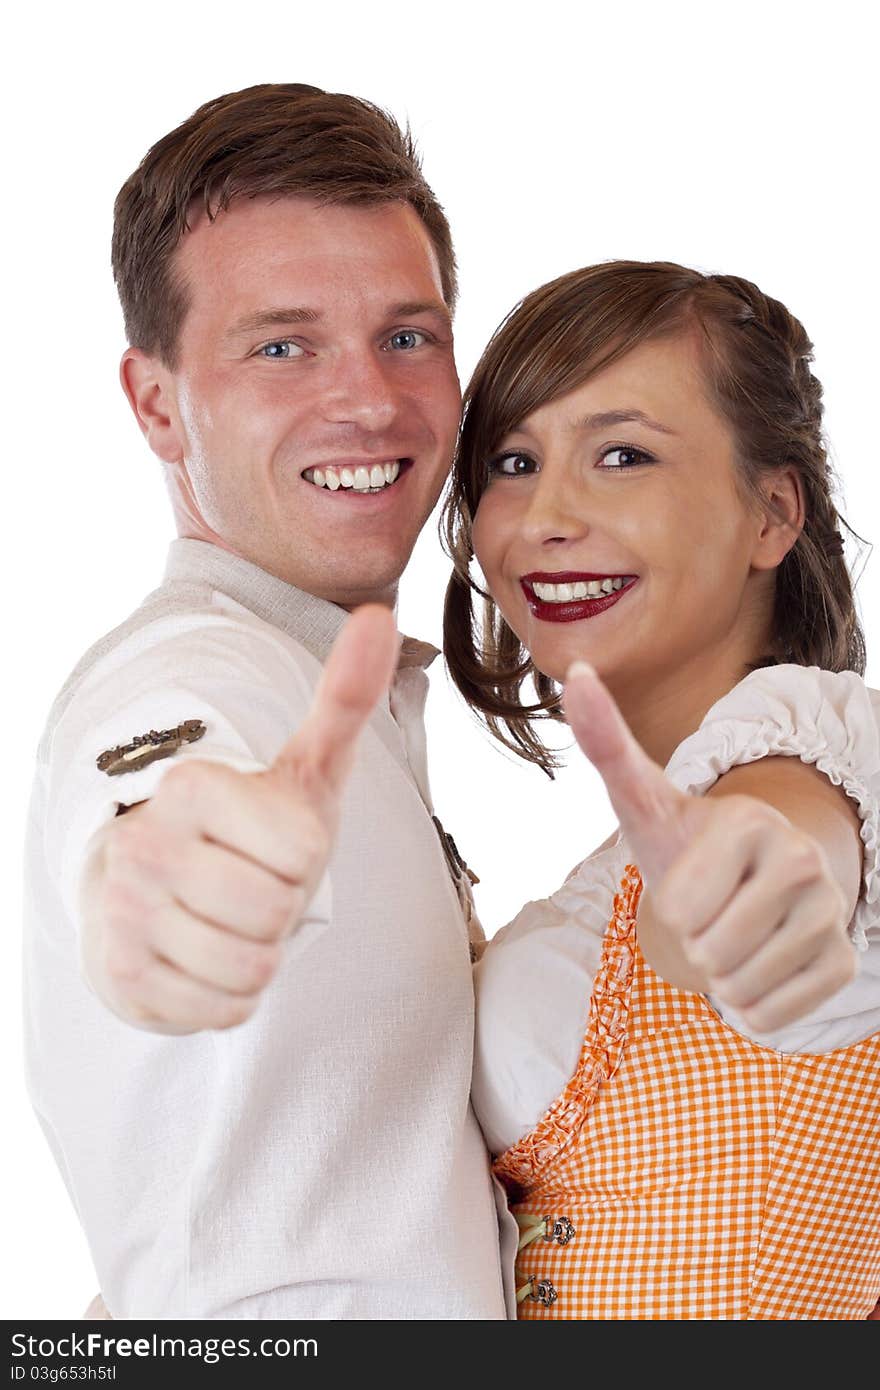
(746, 898)
(189, 898)
(357, 673)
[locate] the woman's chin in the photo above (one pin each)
(558, 671)
(555, 659)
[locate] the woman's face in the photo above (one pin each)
(612, 529)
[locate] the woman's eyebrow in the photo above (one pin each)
(606, 418)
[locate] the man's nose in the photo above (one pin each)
(362, 391)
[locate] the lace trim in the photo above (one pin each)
(520, 1166)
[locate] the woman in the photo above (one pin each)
(678, 1054)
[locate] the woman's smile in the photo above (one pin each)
(570, 597)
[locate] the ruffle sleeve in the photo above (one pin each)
(827, 718)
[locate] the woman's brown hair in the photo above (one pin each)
(276, 140)
(756, 359)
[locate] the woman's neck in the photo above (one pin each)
(665, 711)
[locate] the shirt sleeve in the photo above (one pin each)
(241, 684)
(832, 721)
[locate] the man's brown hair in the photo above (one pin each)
(756, 359)
(275, 140)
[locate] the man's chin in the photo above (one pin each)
(349, 588)
(371, 575)
(353, 595)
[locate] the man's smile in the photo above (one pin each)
(365, 476)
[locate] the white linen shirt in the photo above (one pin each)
(535, 977)
(322, 1160)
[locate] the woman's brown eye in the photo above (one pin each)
(627, 458)
(511, 465)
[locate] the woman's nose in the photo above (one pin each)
(555, 512)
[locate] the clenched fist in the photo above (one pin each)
(188, 899)
(744, 896)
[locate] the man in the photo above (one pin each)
(249, 1016)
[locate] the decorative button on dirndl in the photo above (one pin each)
(559, 1229)
(541, 1291)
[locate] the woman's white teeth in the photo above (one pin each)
(360, 479)
(568, 593)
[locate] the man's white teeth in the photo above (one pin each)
(568, 593)
(360, 479)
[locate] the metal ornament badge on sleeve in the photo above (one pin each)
(147, 748)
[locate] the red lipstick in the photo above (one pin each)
(575, 610)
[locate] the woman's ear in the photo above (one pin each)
(781, 516)
(149, 390)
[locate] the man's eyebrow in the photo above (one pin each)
(412, 307)
(277, 318)
(604, 419)
(271, 318)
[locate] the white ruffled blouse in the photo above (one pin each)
(535, 978)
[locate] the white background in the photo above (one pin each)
(740, 139)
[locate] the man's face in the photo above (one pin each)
(315, 364)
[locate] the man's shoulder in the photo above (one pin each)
(157, 612)
(182, 622)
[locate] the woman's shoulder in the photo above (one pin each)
(806, 688)
(830, 717)
(803, 691)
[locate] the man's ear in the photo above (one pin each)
(148, 387)
(781, 517)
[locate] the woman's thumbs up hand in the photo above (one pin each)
(745, 897)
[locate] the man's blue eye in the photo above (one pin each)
(406, 339)
(280, 349)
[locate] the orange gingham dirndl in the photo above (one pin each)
(706, 1177)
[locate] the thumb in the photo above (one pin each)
(651, 811)
(356, 675)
